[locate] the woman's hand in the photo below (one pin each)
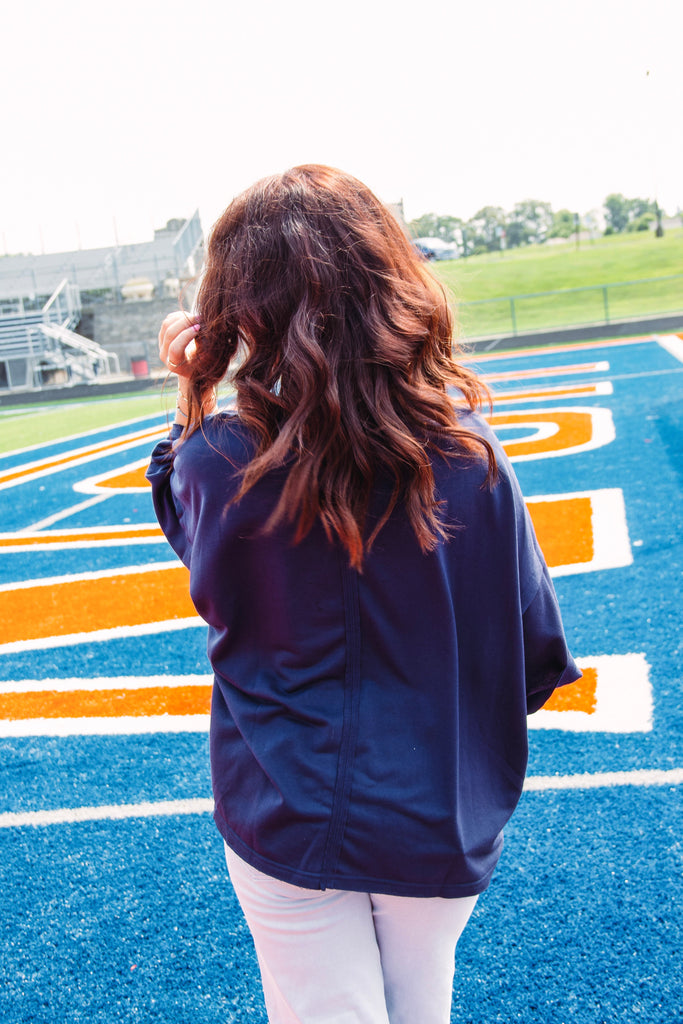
(177, 343)
(177, 347)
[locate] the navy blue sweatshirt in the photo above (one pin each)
(368, 730)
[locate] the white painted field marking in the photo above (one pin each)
(96, 484)
(597, 780)
(110, 812)
(623, 699)
(199, 805)
(577, 429)
(524, 395)
(100, 574)
(610, 541)
(48, 521)
(103, 683)
(546, 370)
(36, 470)
(673, 345)
(100, 635)
(123, 725)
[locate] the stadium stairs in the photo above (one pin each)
(40, 349)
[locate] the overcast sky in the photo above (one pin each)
(119, 116)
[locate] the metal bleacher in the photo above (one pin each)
(38, 347)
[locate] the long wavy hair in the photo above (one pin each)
(339, 343)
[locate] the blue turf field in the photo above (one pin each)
(115, 901)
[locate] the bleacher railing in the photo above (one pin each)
(38, 346)
(63, 308)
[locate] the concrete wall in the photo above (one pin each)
(566, 335)
(130, 329)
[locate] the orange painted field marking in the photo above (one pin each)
(66, 606)
(564, 529)
(553, 391)
(130, 479)
(196, 700)
(614, 695)
(573, 429)
(554, 432)
(578, 696)
(20, 474)
(113, 703)
(82, 538)
(546, 371)
(102, 601)
(579, 532)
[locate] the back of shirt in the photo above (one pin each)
(368, 729)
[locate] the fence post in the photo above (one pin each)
(605, 303)
(513, 316)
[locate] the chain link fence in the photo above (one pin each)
(572, 307)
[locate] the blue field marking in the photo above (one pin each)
(151, 654)
(145, 928)
(134, 919)
(36, 565)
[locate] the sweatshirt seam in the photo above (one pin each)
(349, 730)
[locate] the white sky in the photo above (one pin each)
(119, 116)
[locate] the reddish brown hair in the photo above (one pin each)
(339, 342)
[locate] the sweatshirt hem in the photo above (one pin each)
(350, 883)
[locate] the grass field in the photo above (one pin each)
(23, 426)
(601, 267)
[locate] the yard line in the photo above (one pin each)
(111, 812)
(647, 373)
(199, 805)
(43, 524)
(595, 780)
(76, 683)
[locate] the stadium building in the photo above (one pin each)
(79, 317)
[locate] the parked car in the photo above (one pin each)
(436, 248)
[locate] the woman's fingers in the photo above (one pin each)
(177, 344)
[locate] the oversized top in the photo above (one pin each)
(368, 730)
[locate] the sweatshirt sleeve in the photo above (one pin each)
(547, 660)
(548, 663)
(168, 512)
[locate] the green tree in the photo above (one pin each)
(562, 225)
(624, 214)
(641, 214)
(435, 225)
(641, 208)
(616, 212)
(485, 230)
(532, 220)
(515, 234)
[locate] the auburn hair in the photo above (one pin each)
(339, 343)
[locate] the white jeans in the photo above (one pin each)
(350, 957)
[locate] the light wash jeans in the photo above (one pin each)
(350, 957)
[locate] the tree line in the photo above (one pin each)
(532, 221)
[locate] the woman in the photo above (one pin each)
(381, 619)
